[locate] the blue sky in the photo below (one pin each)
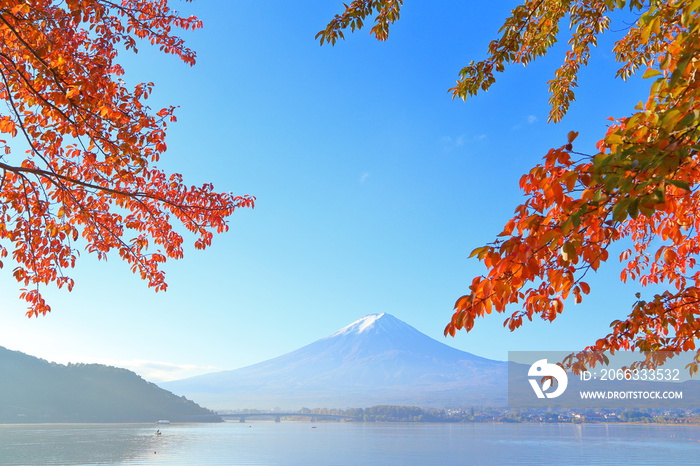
(372, 188)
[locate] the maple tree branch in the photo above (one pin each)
(95, 136)
(58, 179)
(31, 49)
(31, 87)
(30, 141)
(138, 258)
(91, 142)
(50, 175)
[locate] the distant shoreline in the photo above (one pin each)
(391, 413)
(322, 421)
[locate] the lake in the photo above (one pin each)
(331, 443)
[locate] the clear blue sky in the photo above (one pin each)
(372, 187)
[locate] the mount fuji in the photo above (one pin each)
(376, 360)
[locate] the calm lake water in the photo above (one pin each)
(297, 443)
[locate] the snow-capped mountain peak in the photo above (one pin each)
(360, 325)
(377, 359)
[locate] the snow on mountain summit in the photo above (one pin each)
(363, 324)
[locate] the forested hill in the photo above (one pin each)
(34, 390)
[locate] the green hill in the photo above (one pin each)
(34, 390)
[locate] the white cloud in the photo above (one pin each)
(529, 120)
(152, 371)
(449, 142)
(158, 371)
(364, 177)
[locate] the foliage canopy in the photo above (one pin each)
(91, 144)
(643, 183)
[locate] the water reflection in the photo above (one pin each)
(75, 444)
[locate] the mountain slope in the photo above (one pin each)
(376, 360)
(34, 390)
